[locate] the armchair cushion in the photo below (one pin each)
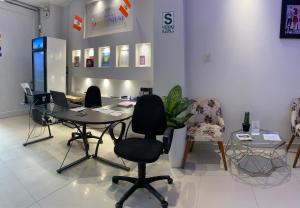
(207, 123)
(295, 116)
(297, 130)
(205, 132)
(139, 150)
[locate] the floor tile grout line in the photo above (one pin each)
(52, 192)
(35, 201)
(253, 192)
(23, 185)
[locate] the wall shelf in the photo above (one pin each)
(143, 55)
(104, 57)
(76, 58)
(89, 57)
(124, 74)
(122, 56)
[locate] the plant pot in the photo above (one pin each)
(246, 127)
(177, 148)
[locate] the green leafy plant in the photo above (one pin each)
(175, 105)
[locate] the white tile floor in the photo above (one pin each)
(28, 178)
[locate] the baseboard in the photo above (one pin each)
(13, 113)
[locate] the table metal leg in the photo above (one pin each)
(61, 169)
(38, 140)
(106, 161)
(86, 149)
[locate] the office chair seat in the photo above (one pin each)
(139, 150)
(148, 119)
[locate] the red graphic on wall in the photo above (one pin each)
(77, 25)
(124, 9)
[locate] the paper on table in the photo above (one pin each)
(103, 110)
(108, 111)
(78, 109)
(244, 137)
(116, 113)
(97, 109)
(271, 137)
(126, 104)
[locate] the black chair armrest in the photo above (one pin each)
(167, 139)
(112, 133)
(129, 124)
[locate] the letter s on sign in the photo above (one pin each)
(168, 18)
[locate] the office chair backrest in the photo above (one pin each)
(59, 99)
(149, 116)
(93, 97)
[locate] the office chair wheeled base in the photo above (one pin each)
(142, 182)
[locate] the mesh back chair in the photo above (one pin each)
(148, 119)
(92, 99)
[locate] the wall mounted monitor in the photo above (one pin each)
(39, 43)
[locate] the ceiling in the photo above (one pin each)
(43, 2)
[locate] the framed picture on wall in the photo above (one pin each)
(103, 17)
(290, 19)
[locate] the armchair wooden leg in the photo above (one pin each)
(290, 143)
(221, 147)
(297, 157)
(186, 152)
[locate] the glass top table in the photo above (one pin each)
(257, 141)
(256, 157)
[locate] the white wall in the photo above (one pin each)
(142, 32)
(234, 53)
(109, 87)
(169, 58)
(52, 25)
(18, 27)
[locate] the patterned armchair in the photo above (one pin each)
(207, 124)
(295, 122)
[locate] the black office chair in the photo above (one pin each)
(148, 119)
(92, 100)
(93, 97)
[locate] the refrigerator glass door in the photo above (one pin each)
(39, 71)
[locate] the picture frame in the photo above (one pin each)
(104, 18)
(142, 60)
(290, 19)
(76, 61)
(89, 62)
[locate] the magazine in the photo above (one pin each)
(244, 137)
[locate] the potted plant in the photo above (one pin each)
(246, 124)
(175, 107)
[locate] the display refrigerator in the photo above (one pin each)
(49, 64)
